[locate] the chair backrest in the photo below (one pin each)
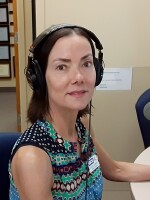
(7, 140)
(144, 121)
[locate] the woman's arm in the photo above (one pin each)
(32, 173)
(116, 170)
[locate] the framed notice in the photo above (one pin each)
(4, 33)
(5, 71)
(3, 1)
(4, 52)
(4, 15)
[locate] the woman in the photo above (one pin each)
(56, 158)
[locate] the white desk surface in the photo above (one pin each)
(141, 190)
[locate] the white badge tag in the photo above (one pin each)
(93, 163)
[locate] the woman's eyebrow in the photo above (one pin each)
(86, 56)
(62, 59)
(69, 60)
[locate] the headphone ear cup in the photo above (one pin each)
(31, 78)
(35, 76)
(99, 71)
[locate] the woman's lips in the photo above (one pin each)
(77, 93)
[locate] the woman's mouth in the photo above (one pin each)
(77, 93)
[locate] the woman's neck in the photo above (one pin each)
(64, 124)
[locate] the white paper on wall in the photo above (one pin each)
(116, 79)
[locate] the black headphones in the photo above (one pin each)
(34, 73)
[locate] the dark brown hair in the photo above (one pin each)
(39, 105)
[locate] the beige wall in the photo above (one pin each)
(124, 30)
(122, 26)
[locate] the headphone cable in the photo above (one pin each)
(88, 153)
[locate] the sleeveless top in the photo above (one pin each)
(72, 179)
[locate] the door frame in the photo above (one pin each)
(23, 39)
(15, 20)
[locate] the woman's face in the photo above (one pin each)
(70, 74)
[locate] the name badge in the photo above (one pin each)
(93, 163)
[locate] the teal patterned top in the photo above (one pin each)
(72, 179)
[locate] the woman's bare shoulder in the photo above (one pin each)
(31, 164)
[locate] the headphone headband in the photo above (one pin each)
(57, 27)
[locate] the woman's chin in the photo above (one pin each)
(79, 108)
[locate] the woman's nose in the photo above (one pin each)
(77, 76)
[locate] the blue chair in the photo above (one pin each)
(143, 114)
(7, 140)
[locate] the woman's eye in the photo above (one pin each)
(61, 67)
(88, 64)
